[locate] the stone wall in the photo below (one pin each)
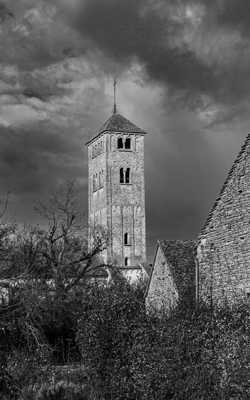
(119, 208)
(162, 294)
(223, 251)
(97, 210)
(126, 202)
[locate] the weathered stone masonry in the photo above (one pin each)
(116, 190)
(172, 279)
(223, 252)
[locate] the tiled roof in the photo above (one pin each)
(118, 123)
(175, 249)
(180, 257)
(230, 174)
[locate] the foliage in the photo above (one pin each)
(125, 353)
(109, 316)
(62, 390)
(190, 355)
(44, 275)
(193, 355)
(19, 369)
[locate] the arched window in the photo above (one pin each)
(126, 239)
(127, 175)
(126, 261)
(119, 143)
(121, 175)
(128, 143)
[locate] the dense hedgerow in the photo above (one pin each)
(191, 355)
(125, 353)
(105, 336)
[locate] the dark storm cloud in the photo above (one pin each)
(37, 90)
(35, 160)
(31, 93)
(42, 89)
(5, 12)
(136, 30)
(155, 33)
(185, 170)
(36, 35)
(233, 14)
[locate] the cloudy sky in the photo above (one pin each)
(183, 69)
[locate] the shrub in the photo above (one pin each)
(110, 315)
(62, 390)
(196, 355)
(23, 369)
(190, 355)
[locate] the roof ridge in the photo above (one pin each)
(229, 175)
(172, 241)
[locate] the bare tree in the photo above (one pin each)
(46, 270)
(53, 260)
(64, 247)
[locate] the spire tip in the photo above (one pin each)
(115, 108)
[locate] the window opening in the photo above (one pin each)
(126, 261)
(94, 183)
(127, 177)
(126, 238)
(128, 143)
(121, 175)
(120, 143)
(100, 179)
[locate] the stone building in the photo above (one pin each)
(223, 251)
(116, 192)
(216, 269)
(173, 276)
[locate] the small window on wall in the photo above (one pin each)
(100, 180)
(126, 261)
(126, 239)
(128, 143)
(121, 175)
(119, 143)
(94, 183)
(127, 175)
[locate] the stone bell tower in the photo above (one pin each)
(116, 190)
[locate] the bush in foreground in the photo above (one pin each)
(191, 355)
(105, 337)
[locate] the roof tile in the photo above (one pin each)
(118, 123)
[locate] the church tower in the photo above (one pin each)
(116, 190)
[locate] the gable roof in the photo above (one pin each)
(180, 257)
(118, 124)
(239, 157)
